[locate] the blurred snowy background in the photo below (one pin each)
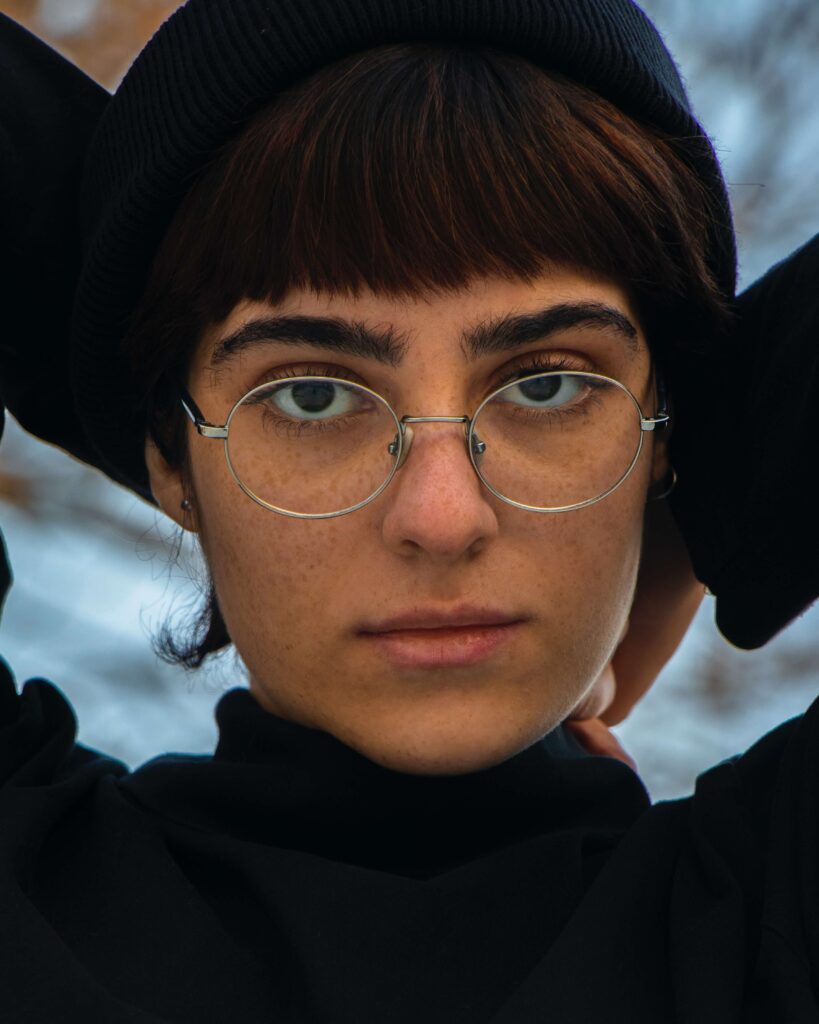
(95, 568)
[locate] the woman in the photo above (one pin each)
(439, 306)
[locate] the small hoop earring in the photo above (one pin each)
(669, 487)
(185, 505)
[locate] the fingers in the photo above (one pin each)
(666, 600)
(598, 739)
(589, 728)
(599, 698)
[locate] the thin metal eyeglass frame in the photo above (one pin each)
(404, 435)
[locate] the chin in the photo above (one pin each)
(455, 745)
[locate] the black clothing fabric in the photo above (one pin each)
(213, 65)
(761, 555)
(48, 110)
(5, 570)
(288, 879)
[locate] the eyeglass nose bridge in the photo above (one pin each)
(478, 446)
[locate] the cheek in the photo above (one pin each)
(585, 567)
(271, 572)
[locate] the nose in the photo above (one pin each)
(436, 503)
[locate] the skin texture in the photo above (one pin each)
(295, 592)
(666, 600)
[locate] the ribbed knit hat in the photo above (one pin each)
(214, 64)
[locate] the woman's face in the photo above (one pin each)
(298, 595)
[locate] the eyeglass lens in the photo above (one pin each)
(319, 445)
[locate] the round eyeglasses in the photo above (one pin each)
(316, 447)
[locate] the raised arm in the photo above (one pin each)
(48, 110)
(749, 529)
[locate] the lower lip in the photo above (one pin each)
(443, 648)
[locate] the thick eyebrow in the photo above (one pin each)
(388, 346)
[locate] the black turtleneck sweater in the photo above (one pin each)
(289, 879)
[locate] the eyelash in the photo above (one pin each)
(540, 363)
(529, 365)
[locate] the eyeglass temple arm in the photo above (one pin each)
(194, 413)
(663, 418)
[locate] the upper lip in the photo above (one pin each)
(439, 618)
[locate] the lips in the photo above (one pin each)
(443, 618)
(446, 647)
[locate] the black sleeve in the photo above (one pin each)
(746, 512)
(5, 571)
(48, 111)
(748, 878)
(38, 731)
(774, 573)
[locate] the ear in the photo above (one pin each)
(169, 489)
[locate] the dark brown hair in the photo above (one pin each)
(416, 168)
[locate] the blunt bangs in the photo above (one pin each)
(419, 167)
